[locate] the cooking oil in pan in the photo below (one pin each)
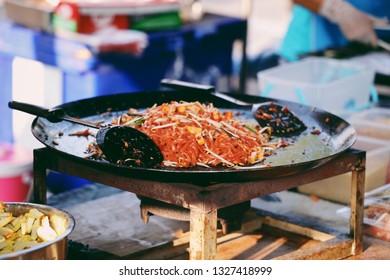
(306, 147)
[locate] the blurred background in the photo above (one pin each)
(58, 51)
(64, 74)
(53, 52)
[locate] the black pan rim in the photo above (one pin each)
(202, 173)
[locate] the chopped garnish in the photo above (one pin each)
(84, 133)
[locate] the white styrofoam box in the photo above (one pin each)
(376, 221)
(377, 173)
(378, 115)
(35, 83)
(337, 86)
(371, 129)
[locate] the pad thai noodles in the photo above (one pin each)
(190, 134)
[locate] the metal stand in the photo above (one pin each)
(204, 201)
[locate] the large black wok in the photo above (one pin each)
(307, 151)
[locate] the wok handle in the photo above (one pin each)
(180, 85)
(53, 115)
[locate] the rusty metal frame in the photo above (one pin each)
(204, 201)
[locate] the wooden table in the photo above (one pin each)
(204, 201)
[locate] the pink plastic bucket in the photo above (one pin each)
(16, 166)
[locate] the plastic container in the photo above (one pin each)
(371, 129)
(376, 221)
(377, 173)
(34, 14)
(373, 122)
(336, 86)
(379, 116)
(58, 182)
(16, 165)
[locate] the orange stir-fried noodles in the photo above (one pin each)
(191, 133)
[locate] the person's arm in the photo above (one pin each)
(355, 24)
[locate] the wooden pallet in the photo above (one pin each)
(261, 237)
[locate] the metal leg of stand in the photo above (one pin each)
(357, 210)
(39, 178)
(203, 234)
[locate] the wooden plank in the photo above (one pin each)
(374, 249)
(334, 249)
(298, 229)
(254, 241)
(263, 244)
